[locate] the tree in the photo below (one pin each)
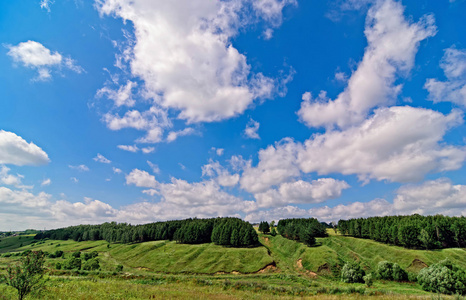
(28, 274)
(352, 273)
(264, 227)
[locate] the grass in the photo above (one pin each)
(165, 269)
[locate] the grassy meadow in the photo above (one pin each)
(278, 269)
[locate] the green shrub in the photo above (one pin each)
(72, 264)
(119, 268)
(352, 273)
(91, 265)
(443, 277)
(398, 273)
(368, 280)
(58, 266)
(385, 270)
(76, 254)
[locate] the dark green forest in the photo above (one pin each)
(303, 230)
(221, 231)
(415, 231)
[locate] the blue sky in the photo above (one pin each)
(140, 111)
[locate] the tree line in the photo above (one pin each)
(221, 231)
(303, 230)
(415, 231)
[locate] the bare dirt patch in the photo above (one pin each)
(299, 263)
(269, 268)
(417, 265)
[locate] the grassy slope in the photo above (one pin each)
(10, 244)
(339, 249)
(170, 257)
(162, 256)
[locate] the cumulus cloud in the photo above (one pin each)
(251, 129)
(129, 148)
(397, 144)
(81, 168)
(316, 191)
(10, 179)
(276, 164)
(141, 178)
(117, 170)
(431, 197)
(36, 56)
(221, 174)
(121, 97)
(147, 150)
(393, 42)
(182, 52)
(454, 89)
(173, 135)
(218, 151)
(16, 151)
(102, 159)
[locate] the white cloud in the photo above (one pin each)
(45, 4)
(454, 89)
(432, 197)
(90, 210)
(397, 144)
(81, 168)
(439, 196)
(130, 148)
(173, 135)
(102, 159)
(9, 179)
(34, 55)
(251, 129)
(148, 150)
(16, 151)
(238, 163)
(46, 182)
(271, 11)
(154, 167)
(74, 179)
(141, 178)
(182, 51)
(218, 151)
(154, 135)
(393, 42)
(153, 118)
(316, 191)
(222, 176)
(276, 164)
(117, 170)
(122, 96)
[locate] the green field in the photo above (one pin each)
(280, 269)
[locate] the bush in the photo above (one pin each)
(352, 273)
(91, 255)
(91, 264)
(391, 271)
(443, 277)
(76, 254)
(384, 270)
(119, 268)
(398, 273)
(368, 280)
(72, 264)
(26, 275)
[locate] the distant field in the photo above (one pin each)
(165, 269)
